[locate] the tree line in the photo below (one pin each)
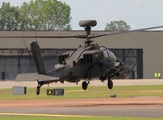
(43, 15)
(35, 15)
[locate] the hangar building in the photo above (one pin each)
(140, 51)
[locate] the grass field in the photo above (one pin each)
(91, 92)
(78, 93)
(73, 118)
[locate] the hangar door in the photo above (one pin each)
(10, 66)
(133, 59)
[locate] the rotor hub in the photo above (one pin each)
(87, 24)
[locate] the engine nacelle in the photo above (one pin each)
(61, 58)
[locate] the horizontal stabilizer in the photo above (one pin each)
(35, 76)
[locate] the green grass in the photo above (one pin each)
(91, 92)
(73, 118)
(78, 93)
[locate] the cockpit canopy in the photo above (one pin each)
(108, 54)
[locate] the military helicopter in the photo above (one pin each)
(85, 63)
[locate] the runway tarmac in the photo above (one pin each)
(121, 111)
(143, 107)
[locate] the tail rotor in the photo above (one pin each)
(27, 50)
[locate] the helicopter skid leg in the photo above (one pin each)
(110, 84)
(84, 85)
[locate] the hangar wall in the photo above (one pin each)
(149, 41)
(152, 52)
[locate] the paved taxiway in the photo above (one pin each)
(117, 108)
(11, 83)
(130, 111)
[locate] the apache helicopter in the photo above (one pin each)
(86, 62)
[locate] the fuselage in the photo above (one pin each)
(83, 63)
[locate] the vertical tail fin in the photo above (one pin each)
(37, 58)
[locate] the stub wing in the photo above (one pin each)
(116, 69)
(40, 78)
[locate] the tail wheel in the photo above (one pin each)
(37, 90)
(110, 84)
(38, 87)
(84, 85)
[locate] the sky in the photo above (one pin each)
(136, 13)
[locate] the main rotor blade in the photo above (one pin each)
(122, 32)
(76, 36)
(84, 36)
(38, 36)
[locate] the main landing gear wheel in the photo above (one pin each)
(84, 85)
(110, 84)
